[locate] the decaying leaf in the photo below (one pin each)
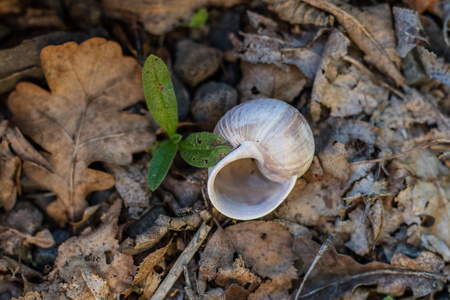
(97, 285)
(148, 264)
(413, 109)
(237, 273)
(146, 277)
(298, 12)
(265, 248)
(92, 256)
(131, 183)
(269, 46)
(372, 30)
(159, 17)
(336, 275)
(427, 199)
(410, 34)
(161, 226)
(80, 121)
(345, 89)
(335, 48)
(268, 81)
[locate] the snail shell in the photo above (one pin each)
(273, 145)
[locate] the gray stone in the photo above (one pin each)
(196, 62)
(212, 100)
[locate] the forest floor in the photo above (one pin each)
(370, 219)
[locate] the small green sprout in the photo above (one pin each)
(202, 149)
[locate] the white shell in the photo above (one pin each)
(273, 145)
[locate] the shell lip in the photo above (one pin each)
(243, 210)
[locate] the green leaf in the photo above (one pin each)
(160, 163)
(204, 149)
(199, 18)
(176, 138)
(388, 298)
(159, 94)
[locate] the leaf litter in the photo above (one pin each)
(379, 181)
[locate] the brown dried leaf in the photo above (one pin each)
(96, 253)
(311, 203)
(419, 5)
(265, 247)
(269, 81)
(298, 12)
(161, 226)
(237, 273)
(81, 120)
(371, 30)
(276, 288)
(97, 285)
(159, 17)
(336, 275)
(147, 265)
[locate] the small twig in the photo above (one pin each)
(420, 147)
(183, 260)
(322, 249)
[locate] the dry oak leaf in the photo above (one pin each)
(80, 120)
(335, 276)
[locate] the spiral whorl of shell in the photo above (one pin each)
(273, 146)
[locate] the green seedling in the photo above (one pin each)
(202, 149)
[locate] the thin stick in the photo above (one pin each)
(322, 249)
(420, 147)
(183, 260)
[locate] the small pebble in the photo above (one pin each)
(44, 256)
(228, 23)
(196, 62)
(212, 100)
